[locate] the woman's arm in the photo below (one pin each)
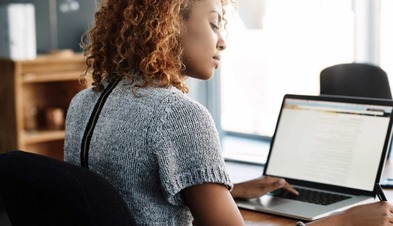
(212, 204)
(373, 214)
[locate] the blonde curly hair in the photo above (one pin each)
(137, 37)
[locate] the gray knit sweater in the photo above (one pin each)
(149, 147)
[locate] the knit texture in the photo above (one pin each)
(150, 147)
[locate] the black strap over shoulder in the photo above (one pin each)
(92, 122)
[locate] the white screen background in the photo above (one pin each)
(328, 147)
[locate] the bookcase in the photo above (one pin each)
(34, 97)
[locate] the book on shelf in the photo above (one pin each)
(17, 31)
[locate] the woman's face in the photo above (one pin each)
(202, 40)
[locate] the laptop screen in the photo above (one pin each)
(330, 141)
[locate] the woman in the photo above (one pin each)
(156, 145)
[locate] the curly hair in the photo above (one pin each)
(137, 37)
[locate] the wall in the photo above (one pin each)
(70, 26)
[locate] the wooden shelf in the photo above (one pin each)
(32, 137)
(50, 77)
(29, 90)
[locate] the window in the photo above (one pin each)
(276, 47)
(386, 41)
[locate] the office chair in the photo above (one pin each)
(355, 79)
(38, 190)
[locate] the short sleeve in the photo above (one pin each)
(188, 149)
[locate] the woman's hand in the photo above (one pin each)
(379, 213)
(373, 214)
(259, 186)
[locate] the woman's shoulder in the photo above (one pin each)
(84, 96)
(177, 101)
(178, 109)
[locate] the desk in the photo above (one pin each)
(256, 218)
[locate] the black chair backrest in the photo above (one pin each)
(355, 79)
(38, 190)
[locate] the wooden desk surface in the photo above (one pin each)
(256, 218)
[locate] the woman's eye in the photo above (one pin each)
(214, 27)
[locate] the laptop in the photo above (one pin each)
(327, 144)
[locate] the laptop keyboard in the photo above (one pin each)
(310, 196)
